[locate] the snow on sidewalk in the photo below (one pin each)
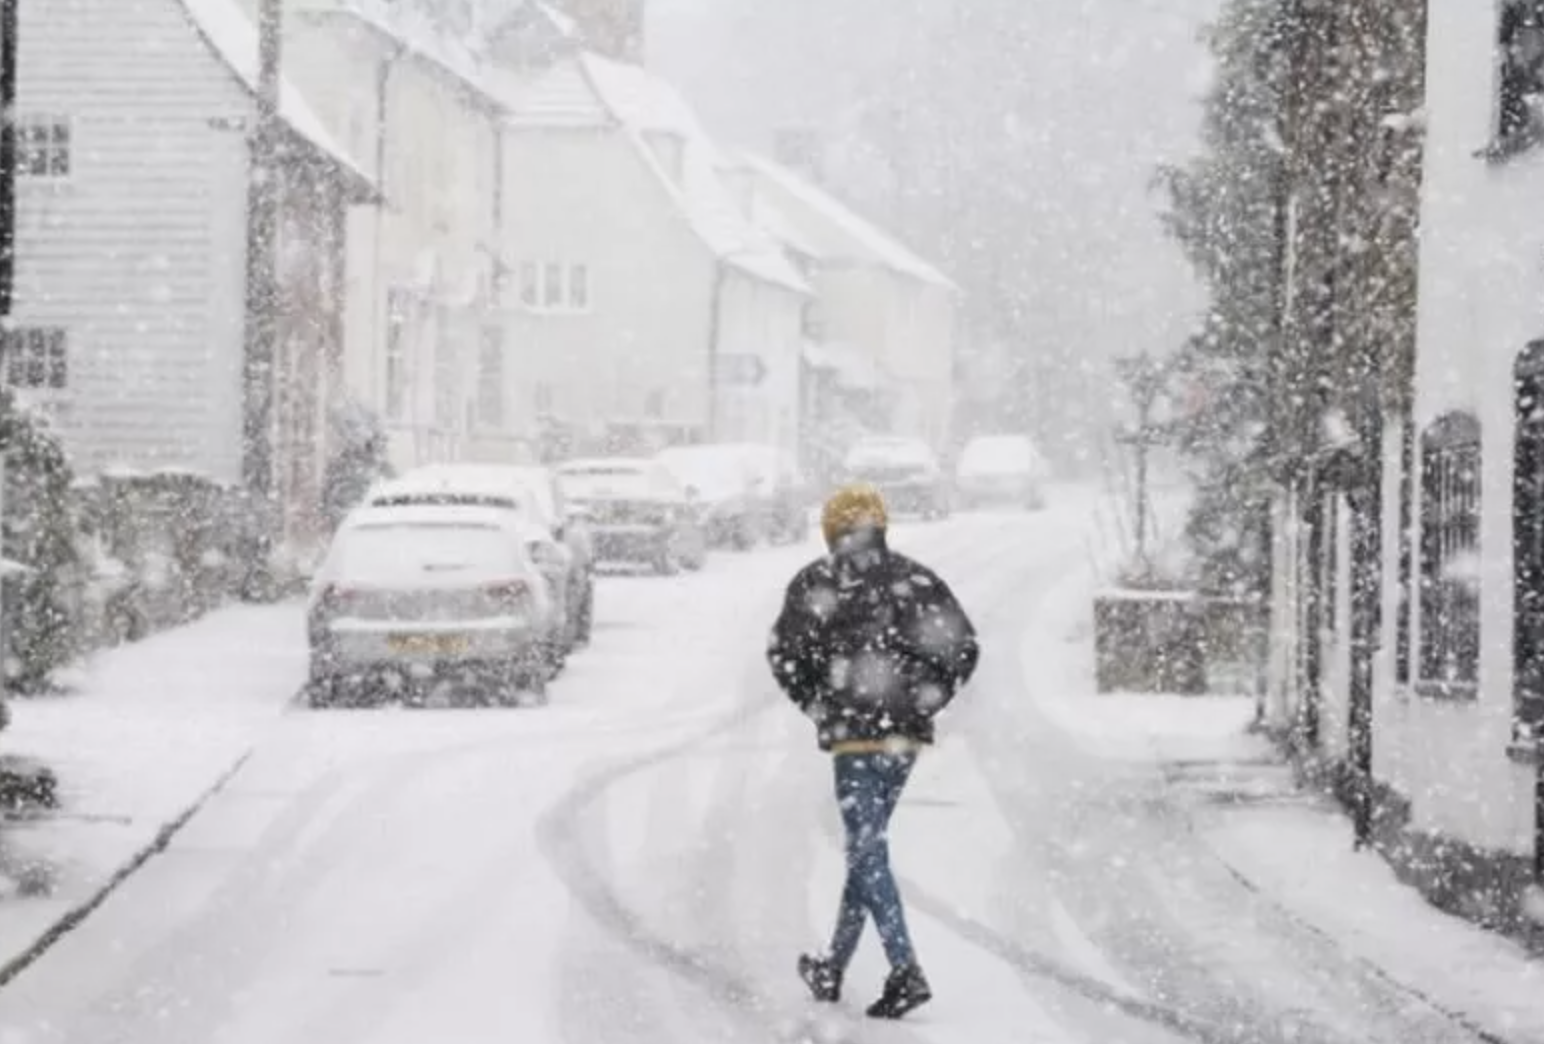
(1293, 847)
(1301, 855)
(148, 730)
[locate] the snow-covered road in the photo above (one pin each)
(641, 861)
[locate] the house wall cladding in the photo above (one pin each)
(139, 253)
(1479, 308)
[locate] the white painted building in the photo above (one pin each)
(635, 279)
(425, 337)
(132, 123)
(1445, 718)
(881, 314)
(1458, 683)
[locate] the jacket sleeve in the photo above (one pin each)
(794, 650)
(945, 642)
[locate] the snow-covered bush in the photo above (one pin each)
(359, 461)
(162, 548)
(39, 534)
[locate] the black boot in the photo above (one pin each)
(905, 990)
(823, 978)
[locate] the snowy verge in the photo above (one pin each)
(1293, 848)
(1301, 855)
(146, 732)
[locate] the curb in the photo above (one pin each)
(74, 917)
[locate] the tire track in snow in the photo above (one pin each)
(730, 987)
(563, 845)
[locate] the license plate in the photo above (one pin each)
(443, 644)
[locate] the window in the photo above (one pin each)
(36, 357)
(1521, 46)
(490, 377)
(1528, 545)
(554, 287)
(530, 285)
(654, 404)
(43, 147)
(398, 309)
(1450, 547)
(543, 398)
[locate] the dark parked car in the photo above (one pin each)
(637, 512)
(905, 470)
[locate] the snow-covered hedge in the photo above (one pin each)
(161, 549)
(38, 537)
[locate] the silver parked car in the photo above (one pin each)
(412, 597)
(638, 512)
(560, 542)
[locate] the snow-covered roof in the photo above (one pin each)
(589, 90)
(407, 25)
(846, 235)
(233, 37)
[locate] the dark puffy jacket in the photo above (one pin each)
(871, 652)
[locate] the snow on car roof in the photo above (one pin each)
(475, 515)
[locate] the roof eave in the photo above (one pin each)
(359, 189)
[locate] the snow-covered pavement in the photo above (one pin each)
(642, 860)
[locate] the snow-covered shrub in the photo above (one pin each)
(171, 533)
(359, 461)
(39, 534)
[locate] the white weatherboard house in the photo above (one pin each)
(637, 285)
(1459, 683)
(882, 317)
(132, 123)
(425, 347)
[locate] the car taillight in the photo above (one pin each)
(334, 598)
(515, 593)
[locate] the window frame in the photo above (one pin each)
(1527, 525)
(1514, 127)
(556, 287)
(36, 349)
(1451, 516)
(54, 126)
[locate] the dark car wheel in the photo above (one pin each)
(584, 626)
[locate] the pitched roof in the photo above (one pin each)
(642, 103)
(591, 91)
(843, 234)
(233, 38)
(423, 39)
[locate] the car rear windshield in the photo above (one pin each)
(601, 483)
(391, 552)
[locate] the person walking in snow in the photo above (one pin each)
(871, 646)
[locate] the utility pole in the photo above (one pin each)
(9, 17)
(262, 306)
(9, 29)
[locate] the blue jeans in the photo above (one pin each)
(867, 789)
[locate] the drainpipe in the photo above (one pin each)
(715, 344)
(382, 123)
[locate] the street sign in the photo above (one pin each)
(741, 369)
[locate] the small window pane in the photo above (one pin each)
(579, 287)
(530, 285)
(552, 286)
